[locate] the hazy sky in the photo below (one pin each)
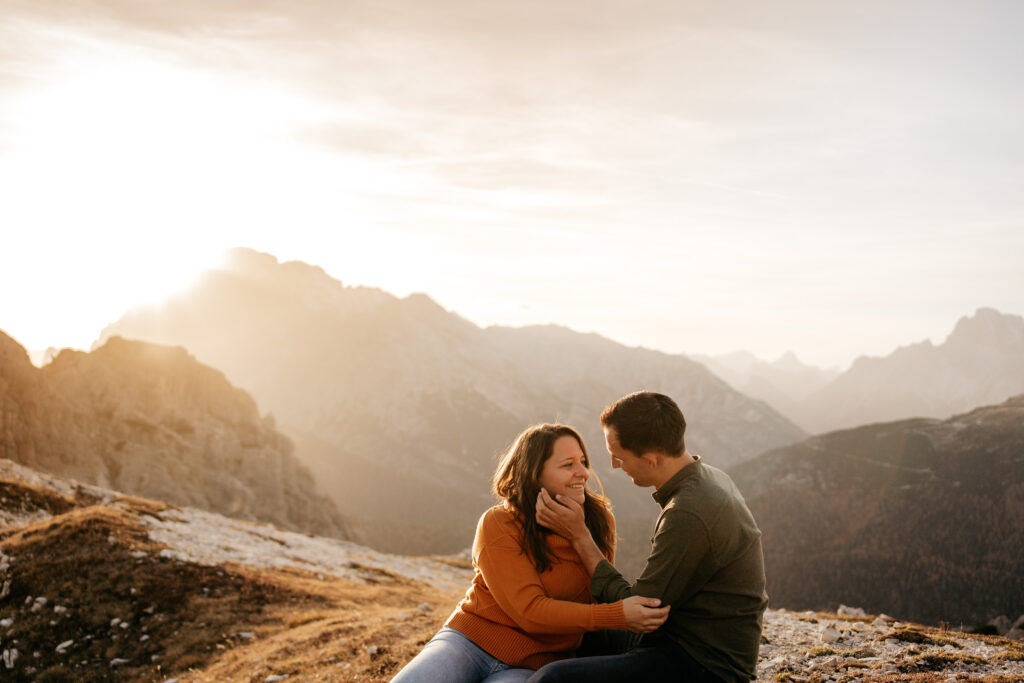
(832, 178)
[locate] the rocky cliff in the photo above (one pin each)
(152, 421)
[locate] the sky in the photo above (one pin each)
(834, 179)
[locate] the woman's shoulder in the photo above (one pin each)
(499, 515)
(498, 525)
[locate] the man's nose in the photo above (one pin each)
(615, 463)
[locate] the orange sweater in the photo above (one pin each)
(522, 617)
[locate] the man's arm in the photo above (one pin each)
(565, 517)
(679, 564)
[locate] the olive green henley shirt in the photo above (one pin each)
(705, 562)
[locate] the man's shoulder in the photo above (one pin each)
(707, 496)
(710, 483)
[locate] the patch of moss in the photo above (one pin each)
(937, 661)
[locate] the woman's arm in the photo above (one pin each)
(515, 584)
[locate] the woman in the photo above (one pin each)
(529, 602)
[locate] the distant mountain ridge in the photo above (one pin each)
(980, 362)
(921, 517)
(397, 404)
(783, 383)
(151, 421)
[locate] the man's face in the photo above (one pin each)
(633, 465)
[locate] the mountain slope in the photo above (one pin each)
(397, 404)
(980, 362)
(152, 421)
(921, 517)
(107, 587)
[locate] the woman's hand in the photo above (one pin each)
(643, 614)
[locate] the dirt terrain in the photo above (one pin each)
(97, 586)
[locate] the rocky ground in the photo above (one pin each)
(97, 586)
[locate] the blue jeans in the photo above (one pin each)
(453, 658)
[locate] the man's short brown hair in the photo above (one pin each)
(646, 421)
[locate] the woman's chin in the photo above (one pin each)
(577, 496)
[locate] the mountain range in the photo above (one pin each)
(785, 383)
(981, 362)
(923, 518)
(152, 421)
(396, 404)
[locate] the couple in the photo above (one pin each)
(546, 604)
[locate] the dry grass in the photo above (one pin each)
(193, 622)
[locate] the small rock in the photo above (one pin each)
(117, 661)
(851, 611)
(244, 635)
(424, 607)
(1002, 623)
(829, 635)
(7, 623)
(114, 622)
(275, 677)
(879, 622)
(59, 609)
(64, 646)
(372, 650)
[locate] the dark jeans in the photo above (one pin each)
(655, 658)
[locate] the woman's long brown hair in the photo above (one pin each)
(517, 482)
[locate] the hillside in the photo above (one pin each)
(981, 362)
(152, 421)
(919, 517)
(396, 404)
(99, 586)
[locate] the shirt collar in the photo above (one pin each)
(672, 486)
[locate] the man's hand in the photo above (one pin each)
(643, 614)
(563, 515)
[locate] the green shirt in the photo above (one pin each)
(705, 562)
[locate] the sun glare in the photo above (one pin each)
(129, 176)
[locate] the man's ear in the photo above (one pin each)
(652, 458)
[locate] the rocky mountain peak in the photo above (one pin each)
(151, 420)
(988, 328)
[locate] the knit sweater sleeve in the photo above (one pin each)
(516, 586)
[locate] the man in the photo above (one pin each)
(705, 562)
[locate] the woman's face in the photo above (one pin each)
(565, 472)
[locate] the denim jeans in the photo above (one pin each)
(656, 658)
(453, 658)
